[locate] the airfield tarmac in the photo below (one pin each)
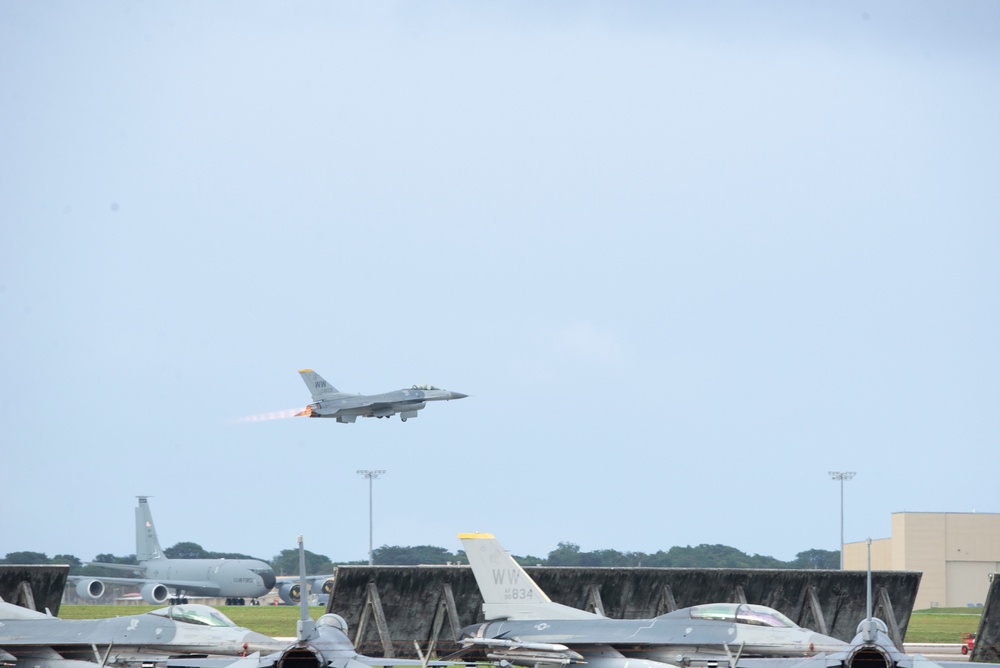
(937, 651)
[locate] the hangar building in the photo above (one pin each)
(956, 552)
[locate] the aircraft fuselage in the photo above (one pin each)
(243, 578)
(662, 638)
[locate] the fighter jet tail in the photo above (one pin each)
(146, 544)
(319, 388)
(508, 592)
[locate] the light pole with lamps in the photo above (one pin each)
(841, 476)
(371, 475)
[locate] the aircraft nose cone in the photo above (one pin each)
(458, 395)
(269, 580)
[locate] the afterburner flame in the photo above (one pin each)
(273, 415)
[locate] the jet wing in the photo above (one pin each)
(256, 661)
(385, 661)
(816, 661)
(375, 405)
(204, 586)
(250, 661)
(133, 568)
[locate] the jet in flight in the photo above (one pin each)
(525, 627)
(37, 640)
(234, 579)
(329, 402)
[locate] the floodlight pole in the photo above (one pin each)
(842, 476)
(371, 475)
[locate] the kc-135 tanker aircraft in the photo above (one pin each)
(329, 402)
(233, 579)
(524, 626)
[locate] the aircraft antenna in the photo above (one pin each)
(868, 600)
(868, 627)
(305, 629)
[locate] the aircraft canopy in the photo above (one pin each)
(742, 613)
(195, 613)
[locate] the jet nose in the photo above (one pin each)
(269, 579)
(457, 395)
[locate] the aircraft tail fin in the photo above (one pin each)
(508, 591)
(319, 388)
(147, 546)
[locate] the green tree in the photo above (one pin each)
(69, 559)
(26, 558)
(287, 563)
(816, 559)
(109, 558)
(186, 551)
(526, 560)
(566, 554)
(411, 556)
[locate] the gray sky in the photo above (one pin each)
(686, 257)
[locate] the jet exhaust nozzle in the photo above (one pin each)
(300, 657)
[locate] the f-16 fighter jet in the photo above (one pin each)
(37, 640)
(521, 620)
(329, 402)
(871, 648)
(320, 644)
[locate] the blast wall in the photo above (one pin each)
(414, 597)
(35, 587)
(987, 647)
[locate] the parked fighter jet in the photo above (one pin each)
(871, 648)
(521, 620)
(320, 644)
(329, 402)
(234, 579)
(36, 640)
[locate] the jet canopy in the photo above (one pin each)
(424, 387)
(195, 613)
(742, 613)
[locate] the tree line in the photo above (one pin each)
(566, 554)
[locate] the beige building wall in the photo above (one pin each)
(954, 551)
(857, 553)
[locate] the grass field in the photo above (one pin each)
(271, 620)
(944, 625)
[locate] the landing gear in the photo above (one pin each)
(403, 419)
